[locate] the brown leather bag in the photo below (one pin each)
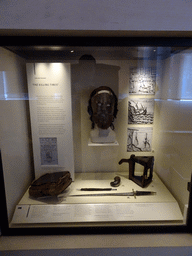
(50, 184)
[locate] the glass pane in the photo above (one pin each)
(96, 135)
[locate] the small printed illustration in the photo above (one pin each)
(48, 148)
(140, 111)
(142, 80)
(139, 139)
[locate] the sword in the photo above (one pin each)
(134, 193)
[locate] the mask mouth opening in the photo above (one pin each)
(103, 121)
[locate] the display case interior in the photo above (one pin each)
(96, 136)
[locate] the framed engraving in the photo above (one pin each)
(142, 81)
(140, 111)
(139, 139)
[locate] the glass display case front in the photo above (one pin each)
(96, 136)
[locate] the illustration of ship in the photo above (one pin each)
(136, 110)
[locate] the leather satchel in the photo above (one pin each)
(50, 184)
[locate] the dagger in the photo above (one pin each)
(134, 193)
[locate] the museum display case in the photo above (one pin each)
(95, 134)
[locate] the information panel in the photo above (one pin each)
(66, 213)
(49, 86)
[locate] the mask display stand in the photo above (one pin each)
(98, 135)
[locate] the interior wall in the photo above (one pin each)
(115, 74)
(173, 128)
(86, 76)
(15, 140)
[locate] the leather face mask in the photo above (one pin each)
(103, 104)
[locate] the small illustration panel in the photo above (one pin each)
(142, 80)
(139, 139)
(140, 111)
(48, 148)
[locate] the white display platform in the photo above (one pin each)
(93, 144)
(63, 209)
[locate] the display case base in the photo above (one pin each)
(63, 209)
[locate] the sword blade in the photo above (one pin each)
(134, 193)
